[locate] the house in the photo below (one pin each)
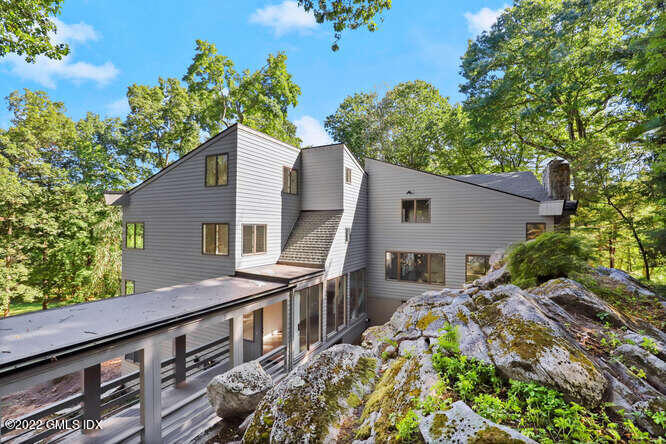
(359, 240)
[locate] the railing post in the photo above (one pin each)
(151, 394)
(179, 358)
(92, 382)
(236, 340)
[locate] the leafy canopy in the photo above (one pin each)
(26, 29)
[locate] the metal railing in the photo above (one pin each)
(117, 394)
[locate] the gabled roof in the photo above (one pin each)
(520, 183)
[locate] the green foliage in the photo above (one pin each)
(550, 255)
(649, 345)
(26, 29)
(259, 99)
(346, 14)
(408, 427)
(450, 338)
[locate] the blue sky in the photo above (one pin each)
(117, 43)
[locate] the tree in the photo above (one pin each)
(357, 123)
(26, 26)
(259, 99)
(346, 14)
(161, 125)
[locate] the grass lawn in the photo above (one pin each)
(17, 308)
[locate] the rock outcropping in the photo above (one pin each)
(238, 391)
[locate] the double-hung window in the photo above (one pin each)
(215, 239)
(416, 211)
(254, 239)
(290, 180)
(422, 268)
(134, 235)
(476, 266)
(217, 166)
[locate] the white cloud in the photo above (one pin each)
(483, 20)
(75, 33)
(284, 17)
(310, 131)
(118, 108)
(46, 71)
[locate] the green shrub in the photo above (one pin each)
(549, 256)
(408, 427)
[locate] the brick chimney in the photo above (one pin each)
(556, 179)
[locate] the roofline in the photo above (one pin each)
(454, 179)
(174, 164)
(344, 147)
(266, 136)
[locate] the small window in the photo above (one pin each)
(248, 327)
(534, 229)
(416, 211)
(129, 287)
(476, 266)
(347, 235)
(422, 268)
(348, 175)
(290, 180)
(216, 170)
(134, 235)
(254, 239)
(215, 239)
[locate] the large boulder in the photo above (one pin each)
(460, 424)
(311, 403)
(494, 278)
(653, 367)
(238, 391)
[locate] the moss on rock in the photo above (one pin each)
(493, 435)
(426, 320)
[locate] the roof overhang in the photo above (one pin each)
(558, 207)
(115, 197)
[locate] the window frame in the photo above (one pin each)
(487, 256)
(254, 239)
(217, 172)
(345, 308)
(364, 290)
(143, 244)
(287, 173)
(309, 346)
(399, 262)
(348, 175)
(203, 238)
(545, 227)
(414, 202)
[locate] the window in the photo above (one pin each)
(290, 180)
(476, 266)
(534, 229)
(348, 175)
(129, 287)
(134, 235)
(307, 307)
(422, 268)
(336, 292)
(357, 293)
(216, 170)
(215, 239)
(416, 211)
(248, 327)
(254, 239)
(347, 235)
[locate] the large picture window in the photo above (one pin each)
(290, 180)
(336, 293)
(416, 211)
(534, 229)
(216, 170)
(357, 285)
(215, 239)
(422, 268)
(476, 266)
(134, 235)
(307, 307)
(254, 239)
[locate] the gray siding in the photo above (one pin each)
(346, 257)
(173, 206)
(259, 196)
(465, 219)
(323, 178)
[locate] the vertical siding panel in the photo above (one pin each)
(323, 177)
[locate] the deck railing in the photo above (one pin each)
(120, 393)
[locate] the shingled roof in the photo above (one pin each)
(311, 238)
(520, 183)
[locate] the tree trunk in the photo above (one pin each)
(630, 223)
(611, 253)
(45, 303)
